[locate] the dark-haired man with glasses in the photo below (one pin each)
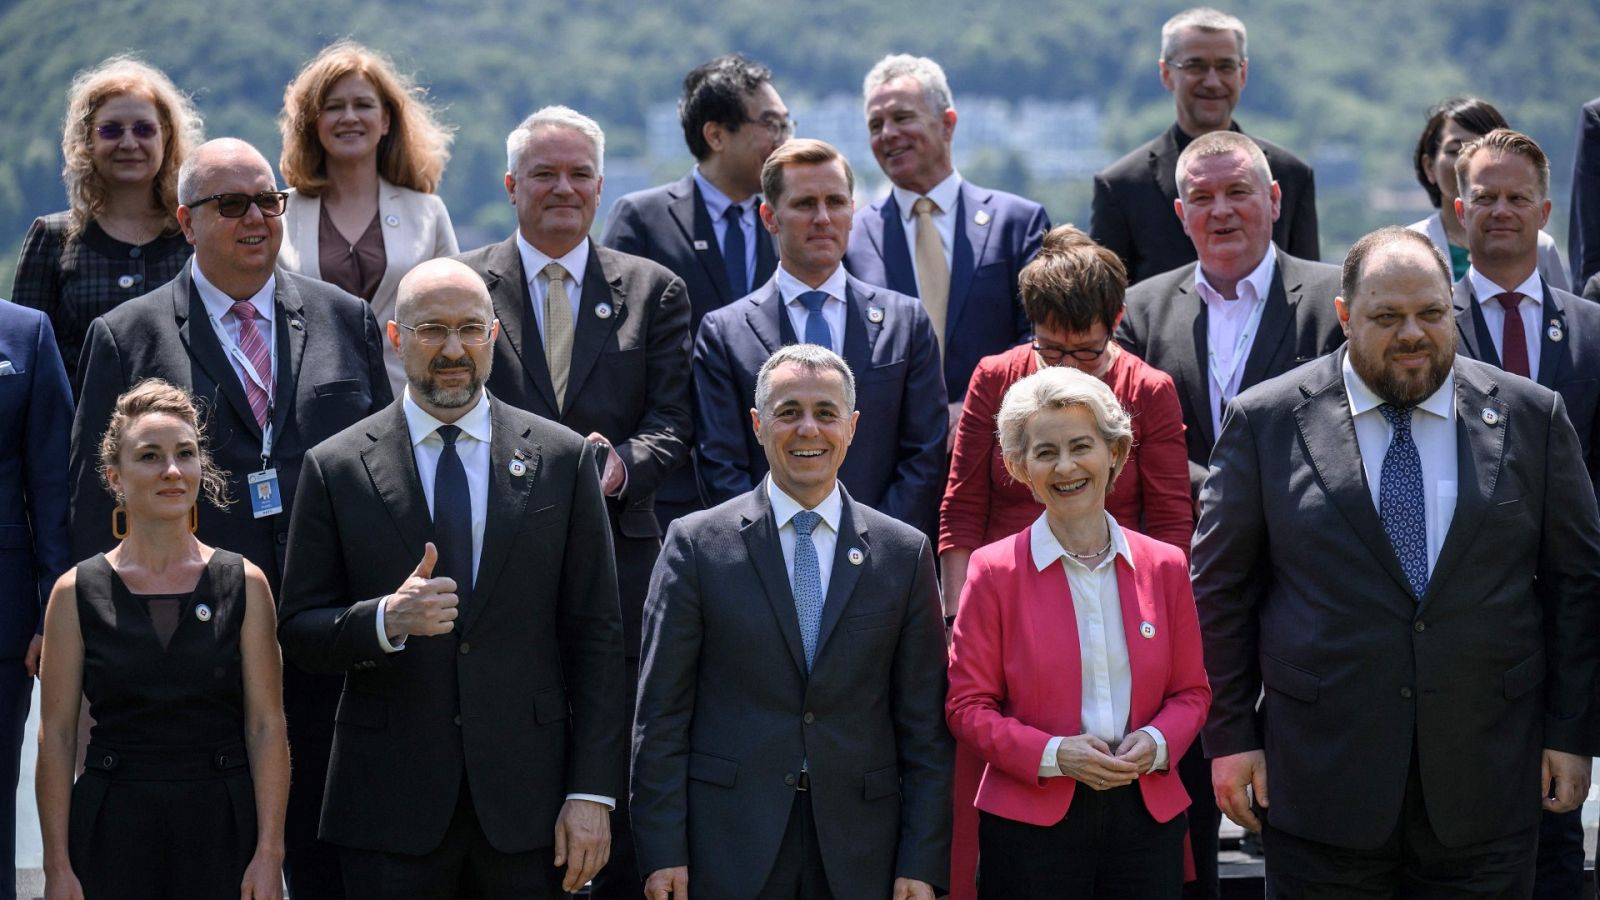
(1204, 66)
(278, 362)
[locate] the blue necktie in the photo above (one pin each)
(816, 326)
(1401, 502)
(733, 251)
(807, 582)
(452, 518)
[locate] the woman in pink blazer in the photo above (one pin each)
(1075, 671)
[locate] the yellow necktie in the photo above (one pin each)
(933, 273)
(558, 331)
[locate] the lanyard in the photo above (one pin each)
(231, 347)
(1240, 345)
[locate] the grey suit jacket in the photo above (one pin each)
(1301, 592)
(727, 714)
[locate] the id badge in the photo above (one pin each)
(266, 497)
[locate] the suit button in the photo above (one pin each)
(789, 779)
(809, 718)
(1420, 627)
(283, 537)
(1405, 692)
(465, 648)
(458, 719)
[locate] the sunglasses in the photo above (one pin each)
(113, 131)
(233, 206)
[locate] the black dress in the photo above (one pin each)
(165, 807)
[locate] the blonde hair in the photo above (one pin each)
(412, 155)
(149, 397)
(180, 132)
(1059, 387)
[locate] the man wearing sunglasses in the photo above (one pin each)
(1204, 66)
(279, 362)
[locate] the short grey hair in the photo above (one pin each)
(1222, 143)
(1058, 387)
(926, 72)
(1203, 18)
(813, 357)
(556, 117)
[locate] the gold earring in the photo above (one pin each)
(119, 529)
(194, 518)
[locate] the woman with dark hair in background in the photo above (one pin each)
(1452, 124)
(362, 154)
(127, 131)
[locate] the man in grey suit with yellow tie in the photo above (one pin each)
(793, 748)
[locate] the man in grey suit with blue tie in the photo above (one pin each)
(793, 748)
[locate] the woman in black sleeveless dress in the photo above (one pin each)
(173, 643)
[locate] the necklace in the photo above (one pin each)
(1095, 554)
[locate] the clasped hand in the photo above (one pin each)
(1089, 760)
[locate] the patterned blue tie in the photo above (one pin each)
(807, 582)
(1400, 499)
(733, 251)
(816, 326)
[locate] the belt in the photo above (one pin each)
(166, 764)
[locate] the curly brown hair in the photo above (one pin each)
(150, 396)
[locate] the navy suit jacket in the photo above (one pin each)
(996, 235)
(36, 421)
(896, 462)
(1569, 356)
(1583, 227)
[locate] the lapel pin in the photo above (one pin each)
(519, 464)
(1490, 417)
(855, 556)
(391, 220)
(202, 612)
(1554, 332)
(294, 322)
(1147, 630)
(875, 315)
(6, 368)
(125, 282)
(603, 310)
(982, 218)
(701, 245)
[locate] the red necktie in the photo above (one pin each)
(1514, 339)
(255, 350)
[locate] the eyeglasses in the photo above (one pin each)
(1054, 354)
(113, 131)
(781, 129)
(472, 334)
(1197, 68)
(234, 205)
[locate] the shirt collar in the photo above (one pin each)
(534, 260)
(421, 424)
(1485, 290)
(219, 304)
(784, 506)
(945, 194)
(1363, 399)
(1259, 279)
(790, 287)
(1046, 549)
(716, 201)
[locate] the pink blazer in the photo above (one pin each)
(1016, 677)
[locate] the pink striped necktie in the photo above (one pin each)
(255, 350)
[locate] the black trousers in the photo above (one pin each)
(16, 695)
(1560, 861)
(463, 867)
(1410, 863)
(621, 878)
(1194, 770)
(1106, 848)
(798, 873)
(310, 866)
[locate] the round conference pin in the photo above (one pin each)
(125, 282)
(518, 468)
(202, 612)
(855, 556)
(603, 310)
(874, 315)
(1147, 630)
(1555, 333)
(1490, 417)
(392, 220)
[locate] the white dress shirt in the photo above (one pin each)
(945, 195)
(825, 537)
(1494, 315)
(576, 262)
(717, 204)
(219, 309)
(1433, 430)
(790, 288)
(1102, 642)
(1231, 327)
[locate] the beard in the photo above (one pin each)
(1401, 387)
(442, 397)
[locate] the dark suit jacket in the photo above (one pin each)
(727, 712)
(1132, 214)
(896, 462)
(330, 375)
(525, 699)
(1165, 325)
(36, 421)
(1591, 290)
(1300, 591)
(996, 235)
(629, 381)
(669, 224)
(1569, 366)
(1583, 226)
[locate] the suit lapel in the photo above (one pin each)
(688, 210)
(1190, 347)
(1472, 326)
(971, 240)
(508, 500)
(392, 465)
(760, 533)
(845, 574)
(1138, 608)
(1276, 318)
(1553, 353)
(194, 329)
(860, 332)
(395, 240)
(898, 269)
(1480, 451)
(513, 306)
(592, 331)
(1163, 164)
(769, 320)
(766, 254)
(290, 328)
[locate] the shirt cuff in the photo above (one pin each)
(383, 634)
(1160, 765)
(609, 802)
(1048, 766)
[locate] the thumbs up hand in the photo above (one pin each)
(424, 605)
